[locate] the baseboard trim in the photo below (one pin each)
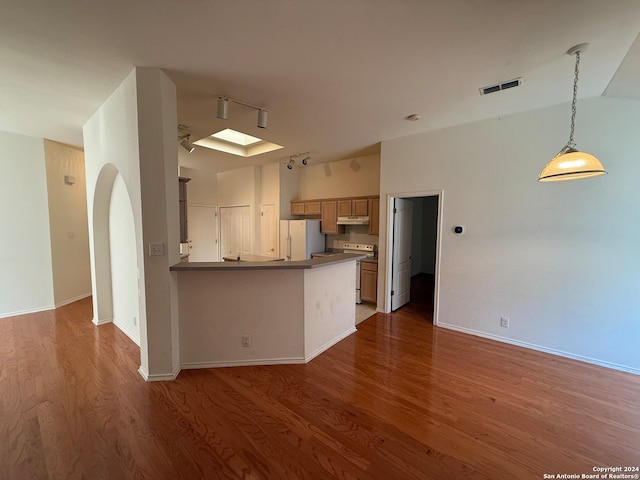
(243, 363)
(158, 377)
(127, 332)
(329, 344)
(28, 311)
(71, 300)
(101, 321)
(533, 346)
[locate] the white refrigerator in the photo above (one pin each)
(300, 238)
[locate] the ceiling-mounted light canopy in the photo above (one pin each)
(570, 163)
(223, 109)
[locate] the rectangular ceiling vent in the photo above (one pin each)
(501, 86)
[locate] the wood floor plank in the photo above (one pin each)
(399, 399)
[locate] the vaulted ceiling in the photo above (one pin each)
(337, 77)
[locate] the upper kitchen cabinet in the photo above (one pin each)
(374, 215)
(353, 206)
(306, 208)
(329, 223)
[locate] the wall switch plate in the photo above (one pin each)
(246, 341)
(504, 322)
(156, 249)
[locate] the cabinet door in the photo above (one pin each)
(368, 285)
(329, 223)
(344, 208)
(360, 207)
(374, 214)
(312, 208)
(297, 208)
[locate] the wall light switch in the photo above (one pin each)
(156, 249)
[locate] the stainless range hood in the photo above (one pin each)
(353, 220)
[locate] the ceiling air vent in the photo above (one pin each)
(501, 86)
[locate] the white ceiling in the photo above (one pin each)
(337, 76)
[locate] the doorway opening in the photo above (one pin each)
(414, 252)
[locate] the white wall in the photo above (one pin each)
(68, 222)
(203, 187)
(124, 268)
(352, 177)
(26, 278)
(561, 259)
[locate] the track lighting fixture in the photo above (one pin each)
(569, 163)
(186, 143)
(304, 161)
(223, 109)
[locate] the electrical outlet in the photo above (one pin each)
(156, 249)
(246, 341)
(504, 322)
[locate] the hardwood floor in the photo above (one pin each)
(399, 399)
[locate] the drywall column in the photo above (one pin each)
(158, 150)
(134, 133)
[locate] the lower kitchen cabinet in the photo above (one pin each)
(369, 281)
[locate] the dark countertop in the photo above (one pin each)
(273, 265)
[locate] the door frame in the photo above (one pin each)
(390, 242)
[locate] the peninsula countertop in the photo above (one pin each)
(273, 265)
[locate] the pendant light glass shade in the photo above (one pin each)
(571, 165)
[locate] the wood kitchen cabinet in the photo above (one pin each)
(374, 216)
(306, 208)
(369, 281)
(312, 208)
(297, 208)
(329, 223)
(353, 206)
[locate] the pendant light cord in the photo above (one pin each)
(571, 144)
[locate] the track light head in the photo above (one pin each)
(223, 107)
(290, 164)
(262, 118)
(305, 160)
(187, 145)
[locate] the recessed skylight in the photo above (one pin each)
(239, 138)
(237, 143)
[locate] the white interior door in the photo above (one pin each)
(203, 233)
(401, 262)
(235, 231)
(268, 230)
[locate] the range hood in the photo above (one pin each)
(353, 220)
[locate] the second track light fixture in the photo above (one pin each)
(292, 159)
(223, 109)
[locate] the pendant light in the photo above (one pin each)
(570, 163)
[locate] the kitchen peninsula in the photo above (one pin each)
(260, 313)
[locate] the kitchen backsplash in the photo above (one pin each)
(353, 234)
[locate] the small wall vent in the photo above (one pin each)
(501, 86)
